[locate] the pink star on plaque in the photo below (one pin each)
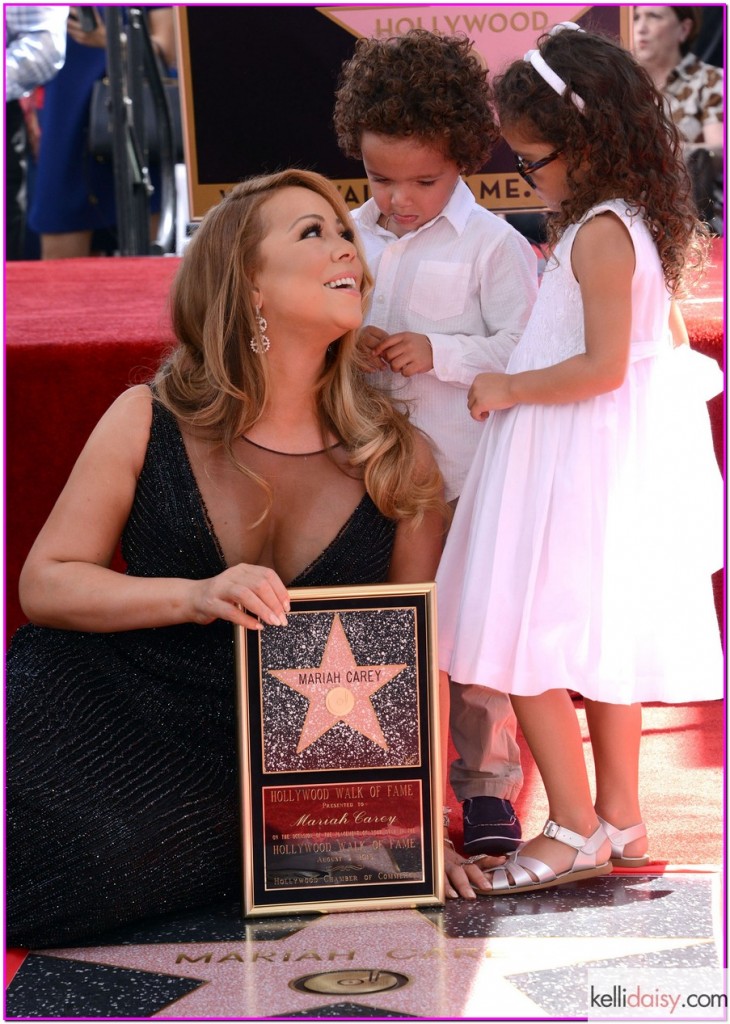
(339, 690)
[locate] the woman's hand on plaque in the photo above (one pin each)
(246, 595)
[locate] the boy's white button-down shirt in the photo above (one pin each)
(468, 281)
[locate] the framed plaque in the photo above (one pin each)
(341, 786)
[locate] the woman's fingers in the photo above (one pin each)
(260, 592)
(457, 882)
(242, 595)
(464, 877)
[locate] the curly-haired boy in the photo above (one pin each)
(454, 286)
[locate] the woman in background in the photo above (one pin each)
(693, 90)
(73, 193)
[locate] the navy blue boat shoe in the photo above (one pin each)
(490, 826)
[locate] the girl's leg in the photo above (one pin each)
(616, 738)
(550, 726)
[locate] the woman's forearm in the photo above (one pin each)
(88, 596)
(83, 596)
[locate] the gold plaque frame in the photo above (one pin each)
(339, 743)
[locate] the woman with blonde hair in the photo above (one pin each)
(259, 459)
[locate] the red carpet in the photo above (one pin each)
(682, 784)
(13, 960)
(78, 332)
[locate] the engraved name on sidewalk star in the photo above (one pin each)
(338, 690)
(455, 972)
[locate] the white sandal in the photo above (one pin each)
(516, 875)
(620, 839)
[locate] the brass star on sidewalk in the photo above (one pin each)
(338, 690)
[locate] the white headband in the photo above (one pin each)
(544, 70)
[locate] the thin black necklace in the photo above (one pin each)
(290, 455)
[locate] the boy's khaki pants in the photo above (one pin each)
(483, 729)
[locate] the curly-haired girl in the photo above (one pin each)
(581, 551)
(454, 286)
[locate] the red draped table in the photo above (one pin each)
(78, 332)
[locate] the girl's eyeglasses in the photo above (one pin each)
(526, 170)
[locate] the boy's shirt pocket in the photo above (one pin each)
(440, 289)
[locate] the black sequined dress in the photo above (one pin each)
(122, 797)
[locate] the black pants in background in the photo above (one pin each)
(16, 164)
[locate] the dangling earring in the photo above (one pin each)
(262, 343)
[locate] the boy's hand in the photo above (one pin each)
(406, 353)
(369, 338)
(489, 391)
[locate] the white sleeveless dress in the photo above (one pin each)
(584, 540)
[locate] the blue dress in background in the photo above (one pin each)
(73, 190)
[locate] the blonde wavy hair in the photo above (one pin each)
(214, 383)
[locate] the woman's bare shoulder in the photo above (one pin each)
(124, 429)
(131, 407)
